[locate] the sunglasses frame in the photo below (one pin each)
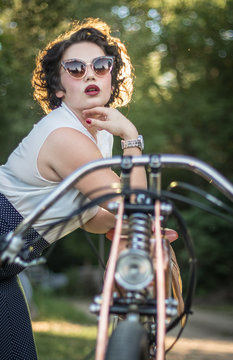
(63, 64)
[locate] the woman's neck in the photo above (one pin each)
(78, 114)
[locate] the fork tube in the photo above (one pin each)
(155, 185)
(102, 336)
(160, 287)
(126, 168)
(155, 174)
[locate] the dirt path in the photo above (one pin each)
(207, 336)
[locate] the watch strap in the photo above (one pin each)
(125, 144)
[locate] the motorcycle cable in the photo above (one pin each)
(192, 277)
(211, 198)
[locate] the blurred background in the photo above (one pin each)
(182, 52)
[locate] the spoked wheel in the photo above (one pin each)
(128, 342)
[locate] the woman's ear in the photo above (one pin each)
(60, 94)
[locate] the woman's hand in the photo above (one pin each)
(110, 120)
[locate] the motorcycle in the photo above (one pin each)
(142, 292)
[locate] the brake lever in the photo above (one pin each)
(10, 247)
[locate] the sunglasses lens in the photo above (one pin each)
(75, 68)
(103, 65)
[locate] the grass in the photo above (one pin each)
(51, 347)
(62, 332)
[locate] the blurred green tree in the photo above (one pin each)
(182, 54)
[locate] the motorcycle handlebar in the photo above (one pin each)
(162, 161)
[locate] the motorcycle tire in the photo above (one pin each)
(128, 341)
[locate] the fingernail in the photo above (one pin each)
(88, 121)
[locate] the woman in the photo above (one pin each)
(79, 80)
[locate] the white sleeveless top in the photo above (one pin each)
(25, 188)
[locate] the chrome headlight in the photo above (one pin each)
(134, 270)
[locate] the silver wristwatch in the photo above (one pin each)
(133, 143)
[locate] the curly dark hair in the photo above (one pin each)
(46, 76)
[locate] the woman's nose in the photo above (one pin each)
(90, 74)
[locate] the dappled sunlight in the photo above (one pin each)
(201, 349)
(65, 328)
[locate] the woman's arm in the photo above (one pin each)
(67, 149)
(101, 223)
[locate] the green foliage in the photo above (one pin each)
(182, 55)
(183, 104)
(50, 307)
(74, 248)
(213, 250)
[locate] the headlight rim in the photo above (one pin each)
(122, 282)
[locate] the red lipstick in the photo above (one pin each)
(92, 90)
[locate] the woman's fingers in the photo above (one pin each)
(170, 234)
(99, 124)
(105, 119)
(111, 120)
(97, 111)
(109, 235)
(96, 117)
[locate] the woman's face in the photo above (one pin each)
(76, 94)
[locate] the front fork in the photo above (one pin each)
(134, 304)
